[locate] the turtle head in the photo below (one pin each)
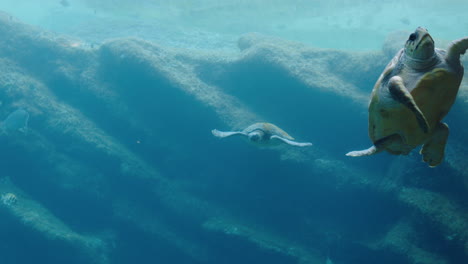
(256, 136)
(420, 45)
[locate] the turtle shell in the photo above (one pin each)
(434, 91)
(269, 129)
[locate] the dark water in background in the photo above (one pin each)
(296, 200)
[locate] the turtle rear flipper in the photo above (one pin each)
(292, 143)
(366, 152)
(433, 150)
(378, 146)
(222, 134)
(400, 94)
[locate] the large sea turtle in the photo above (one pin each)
(263, 134)
(412, 96)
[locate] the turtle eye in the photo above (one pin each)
(412, 37)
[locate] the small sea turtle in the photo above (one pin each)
(412, 96)
(262, 134)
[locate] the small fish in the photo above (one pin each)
(8, 199)
(16, 121)
(65, 3)
(405, 21)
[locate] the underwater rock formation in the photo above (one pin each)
(403, 238)
(119, 137)
(36, 217)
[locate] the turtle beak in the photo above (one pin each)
(426, 40)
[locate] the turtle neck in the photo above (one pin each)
(418, 64)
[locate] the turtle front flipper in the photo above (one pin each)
(400, 94)
(456, 48)
(292, 143)
(433, 150)
(222, 134)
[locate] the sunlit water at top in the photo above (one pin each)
(215, 24)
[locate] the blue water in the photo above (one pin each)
(117, 163)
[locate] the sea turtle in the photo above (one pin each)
(262, 134)
(412, 96)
